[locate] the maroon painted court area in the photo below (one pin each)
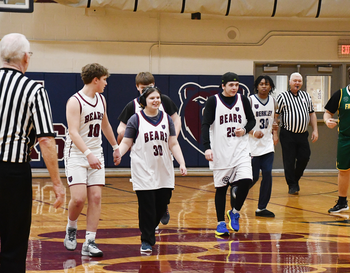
(240, 252)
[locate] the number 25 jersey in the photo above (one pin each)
(91, 115)
(228, 149)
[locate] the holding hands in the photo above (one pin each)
(117, 157)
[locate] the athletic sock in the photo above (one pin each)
(72, 224)
(90, 236)
(234, 210)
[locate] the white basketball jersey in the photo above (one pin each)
(91, 114)
(151, 163)
(138, 108)
(228, 150)
(264, 116)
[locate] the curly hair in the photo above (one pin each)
(267, 79)
(91, 71)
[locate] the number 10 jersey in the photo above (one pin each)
(91, 115)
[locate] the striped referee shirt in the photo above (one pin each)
(25, 113)
(294, 110)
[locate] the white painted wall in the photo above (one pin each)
(64, 39)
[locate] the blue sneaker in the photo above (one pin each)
(233, 220)
(146, 247)
(221, 229)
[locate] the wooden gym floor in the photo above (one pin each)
(302, 237)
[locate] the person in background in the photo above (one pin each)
(296, 112)
(151, 136)
(227, 120)
(340, 102)
(25, 117)
(143, 80)
(84, 162)
(262, 139)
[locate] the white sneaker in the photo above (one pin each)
(91, 249)
(70, 241)
(68, 264)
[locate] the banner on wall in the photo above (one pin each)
(193, 97)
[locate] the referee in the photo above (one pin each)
(296, 111)
(25, 115)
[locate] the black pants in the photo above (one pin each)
(15, 215)
(243, 186)
(263, 163)
(152, 206)
(296, 154)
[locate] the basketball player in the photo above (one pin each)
(151, 136)
(340, 102)
(86, 118)
(227, 120)
(262, 139)
(143, 80)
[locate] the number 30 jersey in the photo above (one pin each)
(151, 161)
(264, 116)
(91, 115)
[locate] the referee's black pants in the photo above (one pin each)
(152, 206)
(296, 154)
(15, 215)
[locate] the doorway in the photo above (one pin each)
(320, 81)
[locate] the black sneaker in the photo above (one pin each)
(166, 217)
(264, 213)
(293, 191)
(338, 207)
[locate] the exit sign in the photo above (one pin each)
(344, 48)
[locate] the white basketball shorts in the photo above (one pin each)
(232, 175)
(78, 171)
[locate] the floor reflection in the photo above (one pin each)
(302, 238)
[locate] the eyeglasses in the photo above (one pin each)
(30, 53)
